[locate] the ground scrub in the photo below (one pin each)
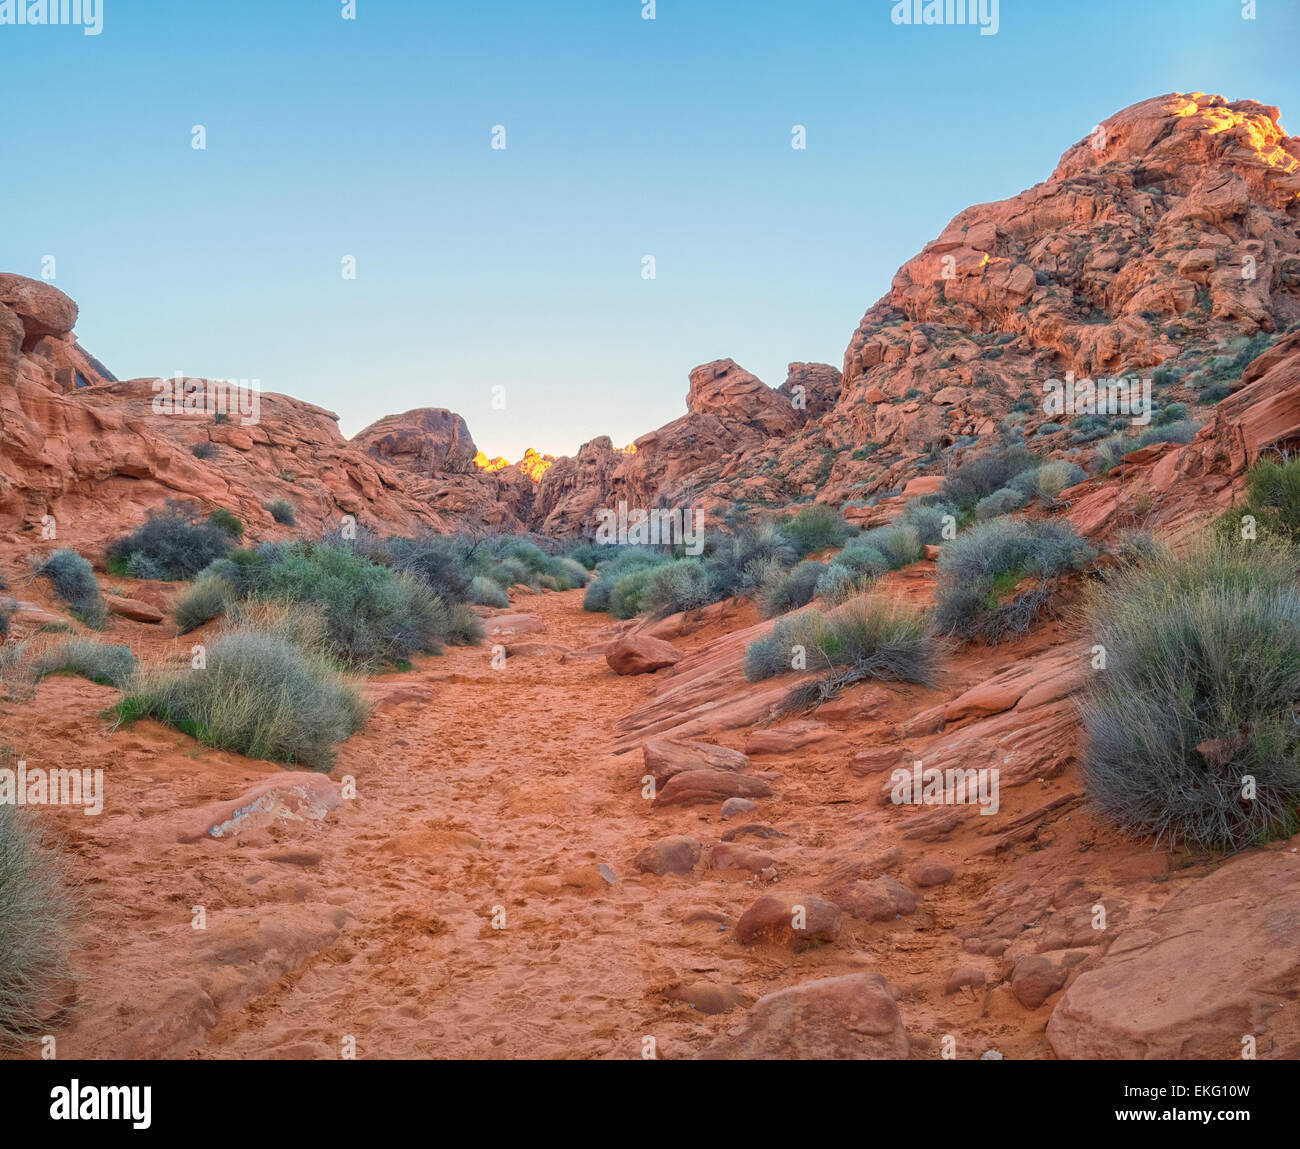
(1271, 503)
(979, 573)
(1197, 696)
(35, 911)
(864, 638)
(260, 694)
(172, 544)
(74, 582)
(978, 477)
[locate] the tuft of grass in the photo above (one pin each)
(485, 592)
(978, 568)
(227, 521)
(788, 590)
(676, 586)
(205, 599)
(1197, 696)
(205, 449)
(74, 582)
(1271, 498)
(814, 528)
(260, 695)
(36, 908)
(97, 661)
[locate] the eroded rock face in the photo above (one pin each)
(1218, 963)
(429, 439)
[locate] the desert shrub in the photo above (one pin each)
(205, 449)
(1000, 502)
(611, 571)
(625, 599)
(862, 639)
(679, 585)
(35, 911)
(86, 658)
(814, 528)
(484, 592)
(789, 590)
(587, 553)
(205, 599)
(861, 560)
(739, 562)
(283, 512)
(170, 544)
(979, 567)
(837, 583)
(227, 521)
(1214, 393)
(521, 561)
(1198, 694)
(440, 562)
(74, 582)
(978, 477)
(260, 695)
(926, 516)
(1173, 413)
(8, 607)
(898, 543)
(1137, 546)
(1271, 498)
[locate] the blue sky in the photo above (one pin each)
(522, 268)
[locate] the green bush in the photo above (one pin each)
(625, 599)
(8, 607)
(676, 586)
(227, 521)
(740, 562)
(926, 516)
(814, 528)
(837, 584)
(260, 695)
(283, 512)
(205, 449)
(612, 570)
(207, 598)
(980, 567)
(484, 592)
(35, 911)
(789, 590)
(86, 658)
(1198, 693)
(74, 582)
(898, 543)
(1272, 499)
(170, 545)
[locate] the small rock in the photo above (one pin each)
(733, 806)
(641, 654)
(793, 922)
(929, 874)
(677, 855)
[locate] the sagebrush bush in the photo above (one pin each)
(898, 543)
(740, 562)
(1197, 696)
(1000, 503)
(1049, 480)
(97, 661)
(836, 584)
(205, 449)
(789, 590)
(927, 516)
(35, 911)
(611, 570)
(74, 582)
(864, 638)
(260, 695)
(676, 586)
(625, 599)
(484, 592)
(814, 528)
(170, 544)
(205, 599)
(978, 477)
(283, 512)
(1111, 450)
(441, 562)
(8, 607)
(862, 560)
(978, 568)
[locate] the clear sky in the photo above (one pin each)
(522, 268)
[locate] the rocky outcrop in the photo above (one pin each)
(1215, 968)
